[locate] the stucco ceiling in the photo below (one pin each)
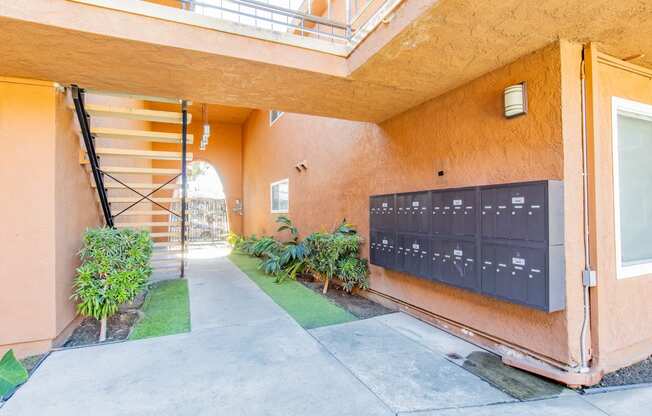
(426, 49)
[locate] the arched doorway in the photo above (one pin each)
(207, 212)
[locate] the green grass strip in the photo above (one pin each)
(166, 310)
(309, 309)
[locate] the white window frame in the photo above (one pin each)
(634, 109)
(274, 120)
(271, 197)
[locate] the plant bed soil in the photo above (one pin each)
(362, 308)
(31, 362)
(638, 373)
(118, 328)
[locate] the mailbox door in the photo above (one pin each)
(488, 213)
(519, 263)
(402, 253)
(488, 269)
(537, 287)
(436, 257)
(403, 212)
(437, 210)
(420, 217)
(463, 213)
(536, 212)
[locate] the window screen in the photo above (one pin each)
(280, 193)
(634, 187)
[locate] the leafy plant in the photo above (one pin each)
(115, 268)
(327, 255)
(345, 228)
(286, 225)
(233, 239)
(337, 255)
(12, 373)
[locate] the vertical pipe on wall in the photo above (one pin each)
(584, 347)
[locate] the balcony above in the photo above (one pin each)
(289, 57)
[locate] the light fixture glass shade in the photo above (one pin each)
(516, 100)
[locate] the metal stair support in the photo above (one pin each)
(89, 143)
(174, 251)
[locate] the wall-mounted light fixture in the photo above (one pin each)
(207, 128)
(516, 100)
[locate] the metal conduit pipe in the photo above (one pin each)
(588, 276)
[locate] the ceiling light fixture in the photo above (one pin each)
(207, 128)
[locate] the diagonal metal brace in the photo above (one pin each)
(143, 196)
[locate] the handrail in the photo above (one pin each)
(89, 143)
(272, 8)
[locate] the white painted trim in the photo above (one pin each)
(271, 197)
(636, 109)
(280, 114)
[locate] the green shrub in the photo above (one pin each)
(233, 239)
(326, 255)
(115, 268)
(336, 254)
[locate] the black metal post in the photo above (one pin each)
(184, 143)
(89, 143)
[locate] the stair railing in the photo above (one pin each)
(89, 143)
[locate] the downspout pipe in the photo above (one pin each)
(588, 275)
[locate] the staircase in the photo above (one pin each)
(131, 190)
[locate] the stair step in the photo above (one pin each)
(137, 97)
(165, 234)
(136, 185)
(167, 244)
(136, 153)
(135, 114)
(132, 199)
(134, 212)
(146, 171)
(149, 136)
(145, 224)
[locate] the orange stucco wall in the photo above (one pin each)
(622, 308)
(48, 205)
(462, 133)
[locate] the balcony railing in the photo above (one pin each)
(344, 22)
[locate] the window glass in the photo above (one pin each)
(280, 192)
(634, 183)
(274, 115)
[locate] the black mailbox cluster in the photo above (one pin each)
(505, 241)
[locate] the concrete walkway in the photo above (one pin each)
(246, 356)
